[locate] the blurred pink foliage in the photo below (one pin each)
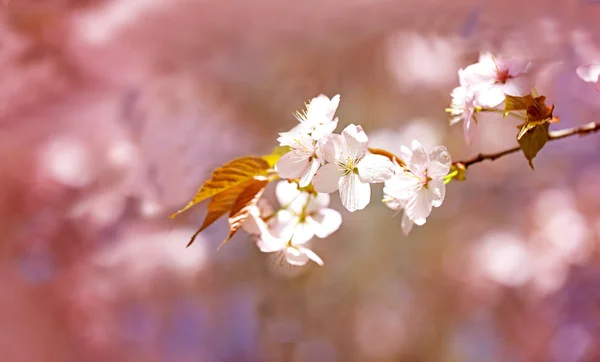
(113, 112)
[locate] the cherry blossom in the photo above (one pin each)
(491, 79)
(590, 73)
(463, 108)
(317, 121)
(350, 169)
(275, 238)
(419, 185)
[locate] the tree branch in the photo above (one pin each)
(592, 127)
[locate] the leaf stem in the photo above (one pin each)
(586, 129)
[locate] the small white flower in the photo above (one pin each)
(491, 79)
(305, 215)
(277, 240)
(590, 73)
(463, 108)
(420, 186)
(317, 121)
(350, 169)
(301, 162)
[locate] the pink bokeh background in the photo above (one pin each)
(112, 113)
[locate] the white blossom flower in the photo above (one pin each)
(350, 169)
(590, 73)
(420, 185)
(463, 108)
(276, 239)
(491, 79)
(317, 121)
(304, 214)
(301, 162)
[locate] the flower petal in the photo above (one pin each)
(419, 207)
(403, 186)
(309, 172)
(439, 162)
(332, 148)
(491, 97)
(327, 178)
(470, 129)
(311, 255)
(318, 202)
(419, 160)
(303, 232)
(589, 72)
(356, 140)
(375, 168)
(519, 86)
(437, 192)
(325, 222)
(324, 129)
(406, 224)
(292, 165)
(295, 256)
(354, 194)
(290, 197)
(250, 225)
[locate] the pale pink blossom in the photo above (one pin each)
(491, 79)
(350, 169)
(276, 239)
(590, 73)
(420, 185)
(463, 108)
(301, 162)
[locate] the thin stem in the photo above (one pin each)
(586, 129)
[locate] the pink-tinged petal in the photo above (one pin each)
(250, 225)
(309, 172)
(419, 207)
(375, 168)
(419, 160)
(478, 76)
(303, 232)
(318, 202)
(519, 86)
(311, 255)
(395, 204)
(286, 192)
(354, 194)
(518, 67)
(470, 130)
(333, 105)
(327, 178)
(403, 186)
(332, 148)
(439, 162)
(405, 154)
(325, 222)
(295, 256)
(322, 109)
(267, 243)
(356, 140)
(406, 224)
(487, 59)
(491, 97)
(292, 165)
(437, 192)
(589, 72)
(325, 129)
(282, 226)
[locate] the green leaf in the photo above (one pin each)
(513, 103)
(230, 175)
(533, 140)
(276, 154)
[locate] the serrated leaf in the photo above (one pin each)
(230, 175)
(391, 156)
(220, 205)
(242, 205)
(276, 154)
(512, 103)
(533, 141)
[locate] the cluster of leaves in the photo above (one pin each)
(234, 189)
(534, 132)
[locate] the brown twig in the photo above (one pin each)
(554, 135)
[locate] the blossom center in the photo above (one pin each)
(503, 76)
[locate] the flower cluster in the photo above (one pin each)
(484, 86)
(301, 216)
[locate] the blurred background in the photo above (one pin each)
(112, 113)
